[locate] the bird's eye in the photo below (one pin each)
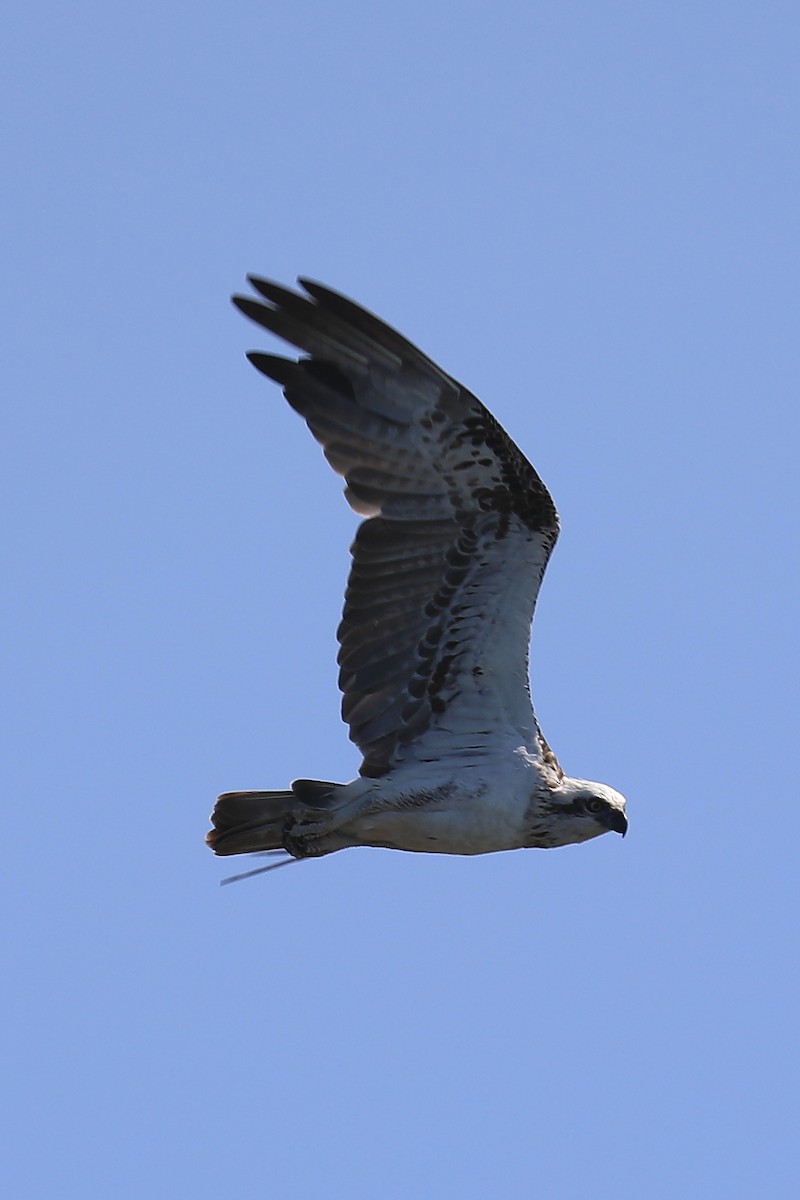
(593, 806)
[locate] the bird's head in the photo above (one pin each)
(584, 810)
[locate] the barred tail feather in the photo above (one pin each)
(249, 822)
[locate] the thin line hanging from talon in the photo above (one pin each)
(285, 862)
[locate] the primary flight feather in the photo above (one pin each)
(434, 636)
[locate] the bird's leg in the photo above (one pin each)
(311, 832)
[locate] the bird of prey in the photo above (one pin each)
(433, 643)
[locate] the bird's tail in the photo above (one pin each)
(247, 822)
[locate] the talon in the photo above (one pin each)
(304, 841)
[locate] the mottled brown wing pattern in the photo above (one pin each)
(447, 566)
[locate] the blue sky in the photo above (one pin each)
(588, 212)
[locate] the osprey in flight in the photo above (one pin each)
(434, 636)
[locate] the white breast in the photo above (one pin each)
(478, 810)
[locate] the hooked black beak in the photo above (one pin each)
(616, 820)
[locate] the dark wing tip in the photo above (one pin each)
(276, 293)
(247, 305)
(318, 290)
(273, 366)
(259, 282)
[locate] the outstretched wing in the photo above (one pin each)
(447, 566)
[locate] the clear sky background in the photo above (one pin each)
(588, 212)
